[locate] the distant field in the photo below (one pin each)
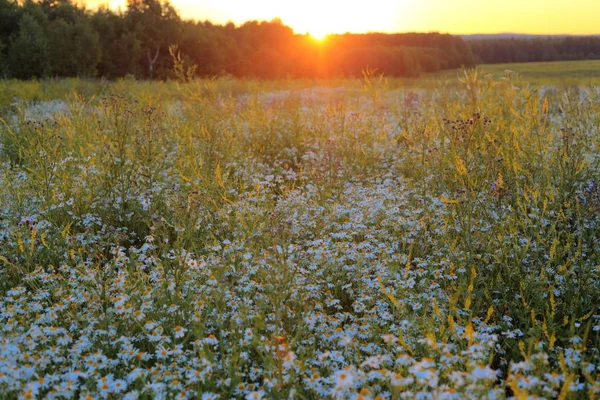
(559, 73)
(565, 72)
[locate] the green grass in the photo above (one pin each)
(549, 70)
(559, 73)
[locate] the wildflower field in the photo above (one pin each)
(367, 239)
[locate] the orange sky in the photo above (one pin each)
(319, 17)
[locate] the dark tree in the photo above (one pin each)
(28, 52)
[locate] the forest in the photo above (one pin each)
(567, 48)
(58, 38)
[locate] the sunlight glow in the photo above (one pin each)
(319, 36)
(321, 17)
(315, 17)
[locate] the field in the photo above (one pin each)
(552, 73)
(368, 239)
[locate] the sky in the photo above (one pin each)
(319, 17)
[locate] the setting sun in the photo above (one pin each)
(319, 18)
(318, 35)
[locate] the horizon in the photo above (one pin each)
(462, 17)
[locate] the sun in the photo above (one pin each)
(315, 18)
(321, 18)
(318, 35)
(317, 26)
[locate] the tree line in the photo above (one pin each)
(567, 48)
(58, 38)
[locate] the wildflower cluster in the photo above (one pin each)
(196, 243)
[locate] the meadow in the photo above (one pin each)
(550, 73)
(365, 239)
(562, 73)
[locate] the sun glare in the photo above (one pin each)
(318, 35)
(320, 18)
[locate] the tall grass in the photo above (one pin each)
(372, 239)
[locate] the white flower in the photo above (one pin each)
(180, 331)
(134, 395)
(371, 362)
(484, 372)
(288, 360)
(163, 353)
(521, 366)
(149, 325)
(389, 338)
(344, 379)
(256, 395)
(211, 339)
(119, 385)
